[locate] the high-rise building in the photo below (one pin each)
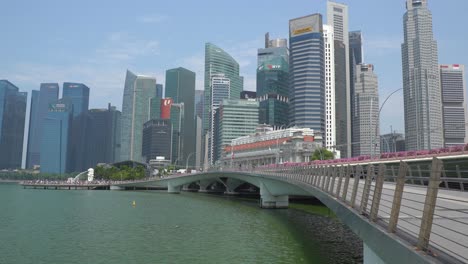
(137, 96)
(55, 137)
(12, 117)
(220, 90)
(180, 86)
(199, 101)
(217, 61)
(248, 95)
(307, 72)
(356, 57)
(273, 82)
(392, 142)
(337, 18)
(330, 120)
(421, 87)
(78, 94)
(40, 101)
(101, 139)
(452, 81)
(199, 143)
(366, 118)
(178, 129)
(157, 139)
(236, 118)
(159, 90)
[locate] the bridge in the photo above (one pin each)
(412, 210)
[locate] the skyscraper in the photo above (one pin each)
(421, 87)
(452, 80)
(307, 72)
(199, 101)
(356, 57)
(159, 90)
(337, 18)
(78, 94)
(330, 120)
(157, 139)
(366, 119)
(180, 86)
(273, 82)
(236, 118)
(40, 101)
(137, 96)
(55, 137)
(217, 61)
(12, 117)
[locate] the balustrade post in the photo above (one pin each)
(400, 182)
(377, 192)
(340, 179)
(324, 177)
(346, 184)
(430, 203)
(367, 186)
(357, 176)
(332, 185)
(329, 174)
(314, 182)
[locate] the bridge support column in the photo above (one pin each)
(231, 185)
(173, 189)
(203, 186)
(268, 201)
(370, 257)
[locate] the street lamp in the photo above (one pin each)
(186, 162)
(374, 145)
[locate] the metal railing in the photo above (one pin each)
(415, 201)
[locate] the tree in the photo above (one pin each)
(322, 154)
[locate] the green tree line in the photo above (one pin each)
(123, 173)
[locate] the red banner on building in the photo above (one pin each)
(166, 104)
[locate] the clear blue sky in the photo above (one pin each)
(94, 42)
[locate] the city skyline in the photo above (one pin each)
(114, 50)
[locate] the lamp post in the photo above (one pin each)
(374, 145)
(186, 162)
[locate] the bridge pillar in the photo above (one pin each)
(173, 189)
(268, 201)
(204, 185)
(231, 185)
(370, 257)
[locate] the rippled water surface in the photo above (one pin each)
(62, 226)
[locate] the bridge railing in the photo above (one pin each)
(413, 201)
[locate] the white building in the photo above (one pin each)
(330, 120)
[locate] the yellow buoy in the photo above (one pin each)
(134, 204)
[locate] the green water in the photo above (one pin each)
(62, 226)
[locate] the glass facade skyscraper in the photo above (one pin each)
(159, 90)
(421, 86)
(40, 101)
(12, 120)
(138, 92)
(307, 72)
(273, 83)
(180, 86)
(157, 139)
(78, 94)
(217, 61)
(55, 136)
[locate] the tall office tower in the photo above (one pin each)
(307, 72)
(180, 86)
(220, 89)
(366, 119)
(159, 90)
(178, 131)
(40, 101)
(199, 143)
(217, 61)
(102, 138)
(199, 100)
(157, 138)
(330, 120)
(78, 94)
(421, 87)
(273, 82)
(392, 142)
(337, 18)
(236, 118)
(137, 96)
(12, 117)
(452, 80)
(55, 137)
(356, 57)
